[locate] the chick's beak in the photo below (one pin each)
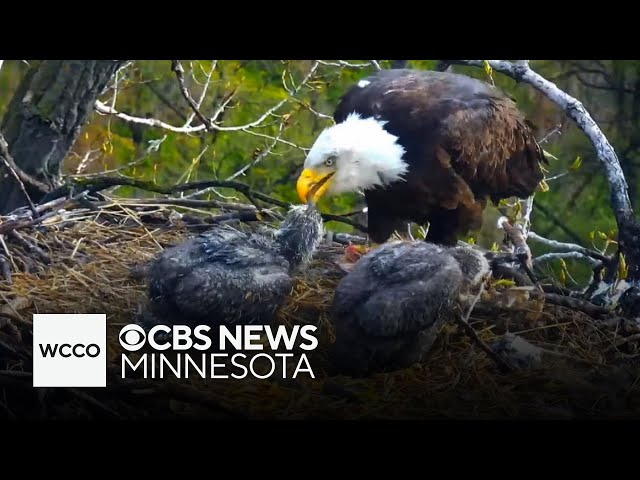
(312, 185)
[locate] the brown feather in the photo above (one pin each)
(465, 141)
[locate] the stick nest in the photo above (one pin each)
(81, 261)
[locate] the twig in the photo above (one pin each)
(556, 177)
(261, 156)
(176, 67)
(621, 341)
(102, 183)
(152, 122)
(463, 322)
(346, 239)
(30, 247)
(187, 202)
(569, 247)
(550, 134)
(522, 251)
(575, 304)
(575, 255)
(15, 170)
(343, 63)
(203, 93)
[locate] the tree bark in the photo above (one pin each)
(45, 116)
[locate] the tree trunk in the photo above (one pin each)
(45, 117)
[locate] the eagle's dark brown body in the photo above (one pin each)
(466, 142)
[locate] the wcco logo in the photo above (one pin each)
(66, 350)
(69, 350)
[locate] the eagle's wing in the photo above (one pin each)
(492, 147)
(460, 126)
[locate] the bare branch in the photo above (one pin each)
(463, 323)
(258, 158)
(342, 63)
(15, 170)
(557, 255)
(16, 173)
(518, 239)
(551, 133)
(276, 139)
(556, 177)
(152, 122)
(103, 109)
(176, 66)
(102, 183)
(203, 94)
(153, 147)
(569, 247)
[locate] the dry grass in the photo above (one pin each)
(593, 372)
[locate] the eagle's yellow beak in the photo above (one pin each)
(313, 181)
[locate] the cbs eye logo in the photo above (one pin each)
(132, 338)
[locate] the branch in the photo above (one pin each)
(152, 122)
(176, 66)
(563, 255)
(343, 63)
(92, 185)
(259, 157)
(15, 170)
(203, 93)
(518, 239)
(576, 304)
(570, 247)
(463, 322)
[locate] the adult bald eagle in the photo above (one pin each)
(425, 147)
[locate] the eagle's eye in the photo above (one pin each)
(330, 160)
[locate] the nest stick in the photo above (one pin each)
(463, 322)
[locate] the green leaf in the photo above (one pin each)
(576, 164)
(544, 186)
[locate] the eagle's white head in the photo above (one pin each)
(355, 155)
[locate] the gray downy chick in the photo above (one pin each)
(388, 310)
(225, 276)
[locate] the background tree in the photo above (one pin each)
(49, 109)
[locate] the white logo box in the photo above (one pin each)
(74, 350)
